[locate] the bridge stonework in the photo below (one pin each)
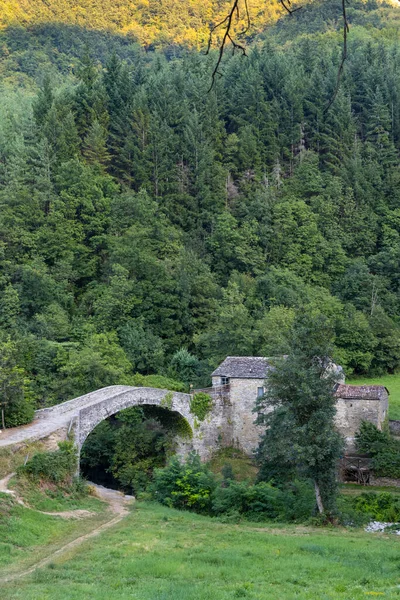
(207, 436)
(90, 416)
(77, 418)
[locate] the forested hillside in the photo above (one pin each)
(151, 22)
(148, 225)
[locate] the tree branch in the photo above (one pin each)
(227, 24)
(344, 56)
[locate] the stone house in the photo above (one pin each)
(239, 380)
(357, 403)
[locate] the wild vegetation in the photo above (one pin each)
(148, 228)
(383, 448)
(151, 227)
(124, 450)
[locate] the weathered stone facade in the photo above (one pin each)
(357, 403)
(243, 396)
(245, 376)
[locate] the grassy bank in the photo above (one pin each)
(392, 382)
(27, 535)
(161, 554)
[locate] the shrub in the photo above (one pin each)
(20, 413)
(186, 486)
(55, 467)
(370, 439)
(200, 405)
(383, 449)
(298, 501)
(158, 381)
(184, 366)
(255, 502)
(381, 506)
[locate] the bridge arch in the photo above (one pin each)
(116, 400)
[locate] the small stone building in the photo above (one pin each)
(241, 379)
(357, 403)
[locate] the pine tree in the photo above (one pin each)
(95, 149)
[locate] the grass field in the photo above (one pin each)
(27, 535)
(161, 554)
(392, 382)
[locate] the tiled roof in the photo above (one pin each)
(361, 392)
(243, 367)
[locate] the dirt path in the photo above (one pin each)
(118, 504)
(4, 485)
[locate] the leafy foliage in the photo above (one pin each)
(16, 407)
(186, 24)
(190, 485)
(300, 437)
(149, 227)
(200, 405)
(186, 486)
(384, 450)
(381, 506)
(124, 450)
(54, 467)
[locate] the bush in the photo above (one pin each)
(381, 506)
(263, 501)
(20, 413)
(54, 467)
(186, 486)
(259, 502)
(200, 405)
(370, 439)
(191, 486)
(158, 381)
(298, 501)
(383, 449)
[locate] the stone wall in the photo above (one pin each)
(243, 395)
(360, 403)
(354, 405)
(394, 428)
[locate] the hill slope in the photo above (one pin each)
(185, 22)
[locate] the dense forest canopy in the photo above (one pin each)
(147, 226)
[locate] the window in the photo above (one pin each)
(224, 380)
(260, 392)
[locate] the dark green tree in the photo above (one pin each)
(300, 436)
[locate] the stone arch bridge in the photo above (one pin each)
(229, 423)
(78, 417)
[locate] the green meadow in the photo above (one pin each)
(157, 553)
(392, 382)
(26, 535)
